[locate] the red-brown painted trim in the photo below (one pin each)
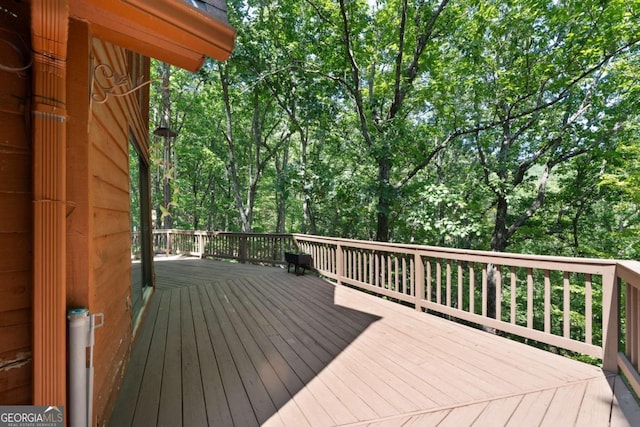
(49, 33)
(169, 30)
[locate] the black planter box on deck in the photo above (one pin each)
(299, 261)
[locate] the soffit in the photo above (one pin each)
(180, 32)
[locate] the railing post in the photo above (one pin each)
(243, 249)
(165, 242)
(200, 245)
(610, 319)
(169, 244)
(418, 282)
(628, 275)
(339, 264)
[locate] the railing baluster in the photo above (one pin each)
(339, 264)
(460, 287)
(610, 319)
(390, 272)
(438, 282)
(325, 259)
(404, 275)
(631, 306)
(382, 259)
(418, 274)
(588, 310)
(634, 316)
(566, 306)
(448, 281)
(472, 289)
(412, 277)
(429, 284)
(498, 297)
(382, 262)
(345, 263)
(484, 290)
(547, 302)
(396, 278)
(356, 264)
(382, 270)
(387, 271)
(353, 268)
(514, 279)
(530, 298)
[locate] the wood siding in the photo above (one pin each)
(100, 221)
(16, 237)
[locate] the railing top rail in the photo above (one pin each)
(629, 271)
(221, 233)
(233, 233)
(463, 254)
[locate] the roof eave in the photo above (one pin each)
(169, 30)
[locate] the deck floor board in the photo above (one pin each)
(217, 407)
(227, 344)
(236, 395)
(148, 399)
(170, 409)
(127, 398)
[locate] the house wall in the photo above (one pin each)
(98, 187)
(16, 236)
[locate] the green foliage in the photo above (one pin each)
(482, 124)
(505, 125)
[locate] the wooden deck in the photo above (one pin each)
(227, 344)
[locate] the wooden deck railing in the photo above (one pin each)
(243, 247)
(628, 280)
(569, 303)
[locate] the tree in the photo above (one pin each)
(476, 124)
(539, 99)
(388, 62)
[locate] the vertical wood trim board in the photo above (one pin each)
(49, 32)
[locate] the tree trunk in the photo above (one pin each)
(441, 205)
(499, 242)
(281, 193)
(308, 219)
(233, 164)
(167, 221)
(500, 237)
(385, 199)
(166, 186)
(212, 211)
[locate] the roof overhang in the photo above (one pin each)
(172, 31)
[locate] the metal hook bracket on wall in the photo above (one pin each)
(111, 83)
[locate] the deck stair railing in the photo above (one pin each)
(568, 303)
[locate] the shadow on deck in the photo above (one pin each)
(229, 344)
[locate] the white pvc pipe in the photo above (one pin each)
(91, 342)
(78, 336)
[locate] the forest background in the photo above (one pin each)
(499, 125)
